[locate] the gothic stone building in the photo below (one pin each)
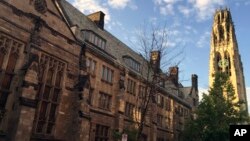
(63, 77)
(224, 53)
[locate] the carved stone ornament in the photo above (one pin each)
(32, 63)
(121, 83)
(40, 6)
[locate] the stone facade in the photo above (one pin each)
(224, 53)
(35, 79)
(64, 77)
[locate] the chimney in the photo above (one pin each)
(195, 81)
(155, 58)
(174, 74)
(98, 19)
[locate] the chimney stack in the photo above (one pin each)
(98, 19)
(174, 74)
(155, 58)
(195, 81)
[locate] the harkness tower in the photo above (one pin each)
(224, 53)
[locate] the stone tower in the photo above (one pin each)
(224, 53)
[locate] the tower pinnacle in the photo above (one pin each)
(224, 53)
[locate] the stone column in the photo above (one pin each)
(27, 100)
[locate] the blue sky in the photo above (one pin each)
(189, 24)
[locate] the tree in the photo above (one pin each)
(156, 53)
(215, 113)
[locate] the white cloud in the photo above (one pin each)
(247, 3)
(170, 1)
(202, 9)
(167, 9)
(116, 24)
(91, 6)
(186, 11)
(157, 1)
(176, 23)
(204, 40)
(166, 6)
(133, 6)
(118, 3)
(153, 20)
(189, 29)
(178, 35)
(206, 8)
(202, 91)
(174, 32)
(170, 44)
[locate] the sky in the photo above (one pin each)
(189, 24)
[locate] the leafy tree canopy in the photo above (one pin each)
(215, 113)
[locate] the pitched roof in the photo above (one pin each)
(114, 46)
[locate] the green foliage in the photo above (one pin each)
(215, 113)
(131, 134)
(117, 135)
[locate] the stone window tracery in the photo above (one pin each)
(218, 60)
(50, 77)
(105, 101)
(9, 53)
(221, 33)
(228, 65)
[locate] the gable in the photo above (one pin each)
(47, 10)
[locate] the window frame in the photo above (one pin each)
(102, 132)
(105, 101)
(91, 65)
(10, 52)
(129, 110)
(93, 38)
(132, 63)
(107, 74)
(131, 87)
(49, 95)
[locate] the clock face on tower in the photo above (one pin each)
(223, 62)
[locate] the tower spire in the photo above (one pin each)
(224, 53)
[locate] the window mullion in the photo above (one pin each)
(7, 55)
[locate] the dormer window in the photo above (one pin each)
(132, 63)
(93, 38)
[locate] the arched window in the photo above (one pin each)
(9, 53)
(50, 87)
(218, 62)
(227, 63)
(221, 33)
(218, 18)
(9, 71)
